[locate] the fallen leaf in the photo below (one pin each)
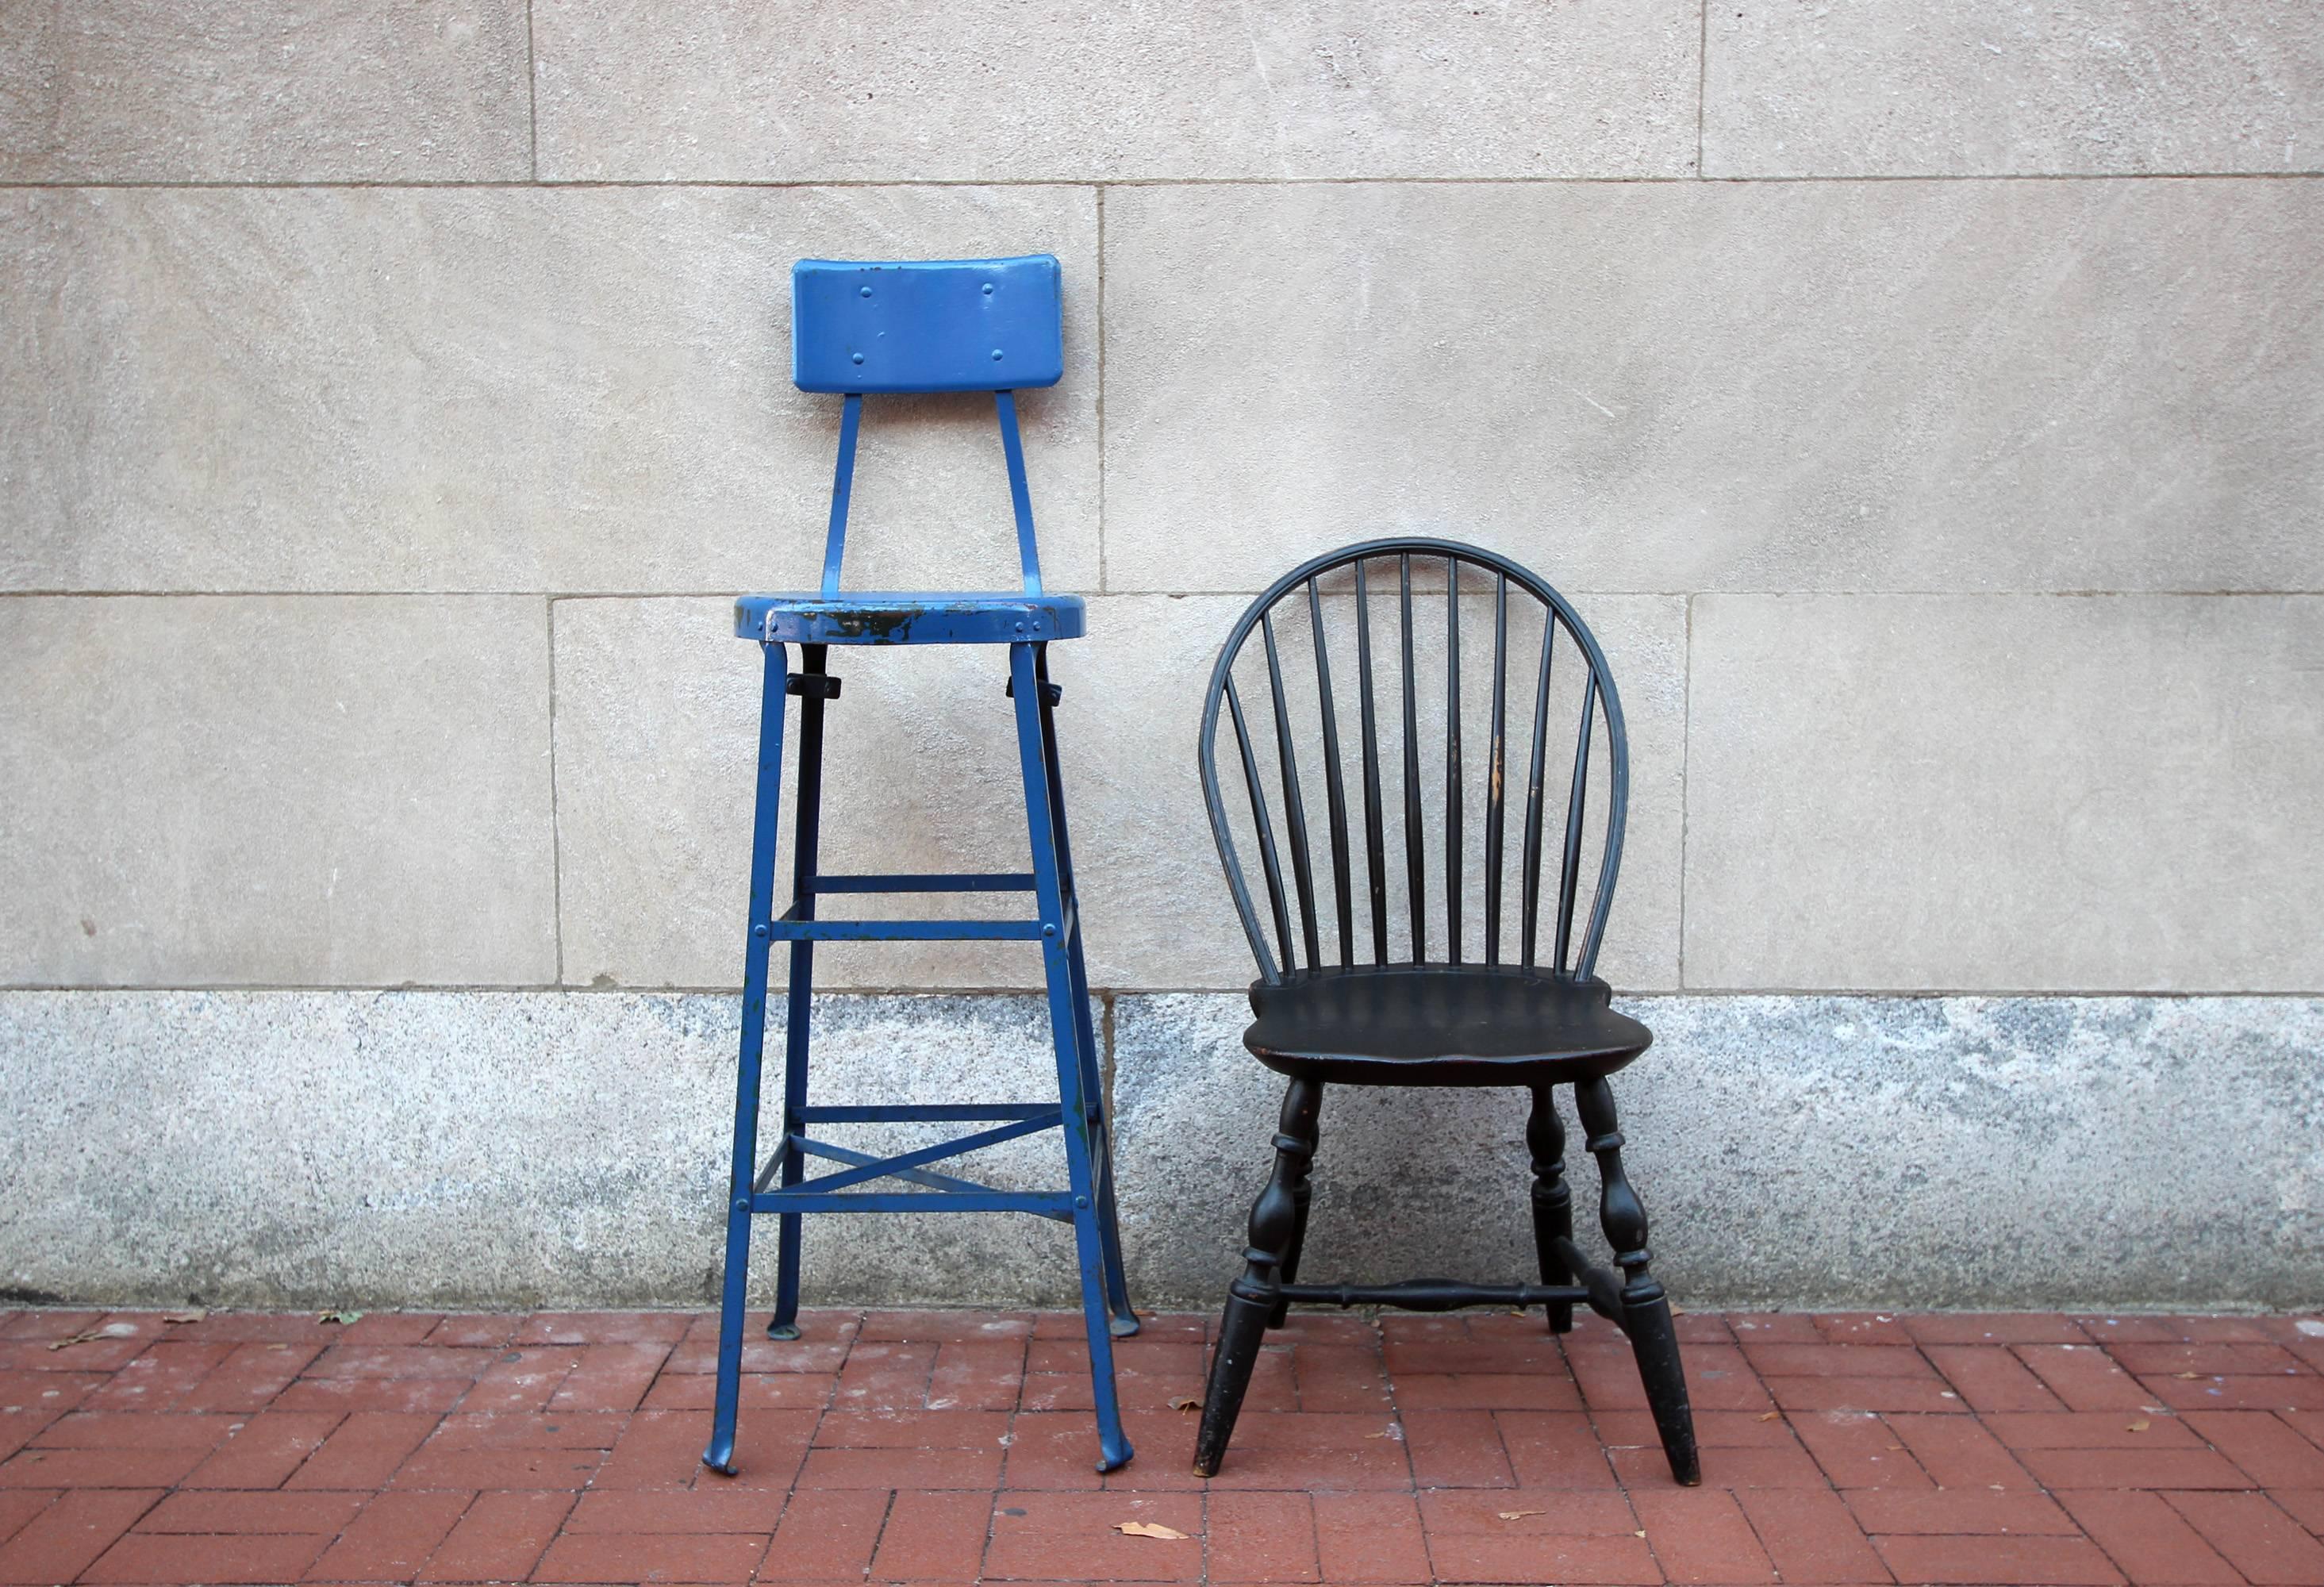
(340, 1317)
(1147, 1529)
(109, 1330)
(195, 1315)
(1512, 1515)
(1770, 1416)
(1638, 1534)
(1676, 1311)
(2189, 1376)
(2140, 1425)
(1185, 1402)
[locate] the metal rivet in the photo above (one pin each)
(859, 357)
(996, 354)
(759, 931)
(1047, 930)
(1080, 1201)
(988, 289)
(866, 291)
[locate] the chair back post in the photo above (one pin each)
(1020, 495)
(843, 484)
(1292, 905)
(952, 325)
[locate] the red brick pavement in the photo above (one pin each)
(956, 1447)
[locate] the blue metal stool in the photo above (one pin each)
(958, 325)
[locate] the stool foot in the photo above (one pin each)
(1113, 1453)
(720, 1456)
(1123, 1326)
(782, 1331)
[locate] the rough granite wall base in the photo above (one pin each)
(517, 1149)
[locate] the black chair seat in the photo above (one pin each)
(1441, 1025)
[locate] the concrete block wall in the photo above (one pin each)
(1923, 406)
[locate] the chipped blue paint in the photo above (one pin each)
(891, 617)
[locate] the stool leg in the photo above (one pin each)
(1117, 1282)
(1553, 1202)
(720, 1454)
(1646, 1309)
(1065, 1022)
(798, 1004)
(1123, 1320)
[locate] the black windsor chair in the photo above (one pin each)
(1454, 1009)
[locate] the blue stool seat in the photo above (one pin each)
(888, 617)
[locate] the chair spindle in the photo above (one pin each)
(1531, 906)
(1270, 863)
(1375, 818)
(1415, 864)
(1497, 758)
(1294, 804)
(1569, 874)
(1334, 783)
(1453, 817)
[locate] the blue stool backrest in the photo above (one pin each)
(954, 324)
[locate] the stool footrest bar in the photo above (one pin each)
(922, 1112)
(905, 930)
(933, 881)
(1056, 1204)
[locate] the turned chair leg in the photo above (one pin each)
(1553, 1202)
(1301, 1193)
(1254, 1298)
(1645, 1310)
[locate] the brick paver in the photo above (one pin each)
(933, 1447)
